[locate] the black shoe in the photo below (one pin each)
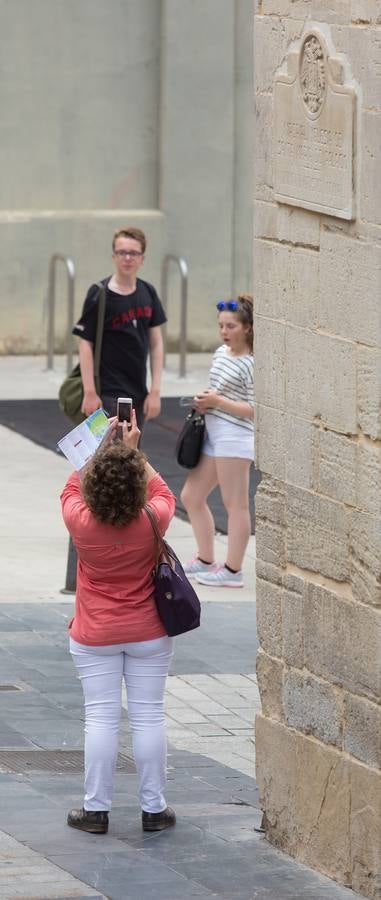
(158, 821)
(93, 822)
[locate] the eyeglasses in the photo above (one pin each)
(231, 305)
(125, 253)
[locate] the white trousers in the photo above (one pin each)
(144, 666)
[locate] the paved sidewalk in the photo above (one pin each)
(214, 851)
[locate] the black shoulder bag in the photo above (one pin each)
(190, 439)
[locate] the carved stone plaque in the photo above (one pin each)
(314, 131)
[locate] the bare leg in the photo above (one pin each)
(233, 478)
(199, 484)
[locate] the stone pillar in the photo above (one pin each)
(317, 265)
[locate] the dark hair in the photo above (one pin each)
(114, 485)
(130, 232)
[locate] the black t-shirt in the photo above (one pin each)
(125, 344)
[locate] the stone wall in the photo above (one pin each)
(134, 111)
(318, 439)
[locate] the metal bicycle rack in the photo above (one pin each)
(70, 268)
(183, 268)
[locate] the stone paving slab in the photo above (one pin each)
(25, 874)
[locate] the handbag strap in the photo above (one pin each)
(161, 547)
(100, 325)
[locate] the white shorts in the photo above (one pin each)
(224, 438)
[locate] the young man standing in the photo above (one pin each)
(133, 317)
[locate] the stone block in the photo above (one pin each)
(270, 501)
(301, 278)
(319, 807)
(268, 572)
(270, 683)
(342, 642)
(286, 224)
(264, 224)
(294, 583)
(298, 226)
(284, 277)
(301, 452)
(369, 391)
(293, 629)
(270, 278)
(263, 168)
(270, 543)
(362, 730)
(368, 481)
(317, 534)
(321, 379)
(298, 10)
(370, 185)
(337, 467)
(365, 831)
(332, 11)
(324, 803)
(365, 11)
(269, 362)
(349, 290)
(286, 447)
(272, 37)
(304, 790)
(277, 778)
(313, 706)
(269, 617)
(270, 441)
(365, 559)
(363, 47)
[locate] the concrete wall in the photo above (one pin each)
(318, 433)
(126, 111)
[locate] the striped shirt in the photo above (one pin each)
(233, 377)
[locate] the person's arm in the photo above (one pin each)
(161, 500)
(130, 437)
(91, 400)
(151, 406)
(212, 400)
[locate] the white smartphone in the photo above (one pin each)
(124, 408)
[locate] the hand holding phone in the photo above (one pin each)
(124, 408)
(130, 434)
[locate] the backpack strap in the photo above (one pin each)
(99, 333)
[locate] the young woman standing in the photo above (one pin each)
(228, 449)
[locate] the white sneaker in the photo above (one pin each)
(221, 577)
(195, 567)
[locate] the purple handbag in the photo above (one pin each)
(176, 600)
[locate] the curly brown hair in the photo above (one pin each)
(114, 485)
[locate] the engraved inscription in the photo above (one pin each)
(313, 132)
(312, 74)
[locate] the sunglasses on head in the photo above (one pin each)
(231, 305)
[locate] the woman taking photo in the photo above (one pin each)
(116, 633)
(228, 448)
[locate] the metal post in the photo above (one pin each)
(183, 267)
(70, 268)
(71, 570)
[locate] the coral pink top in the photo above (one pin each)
(114, 602)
